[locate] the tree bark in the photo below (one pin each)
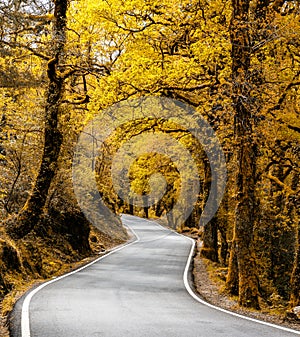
(246, 157)
(295, 278)
(232, 281)
(224, 243)
(131, 207)
(32, 210)
(210, 233)
(210, 241)
(281, 258)
(145, 207)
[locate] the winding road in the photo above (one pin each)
(140, 289)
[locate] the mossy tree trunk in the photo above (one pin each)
(283, 231)
(31, 212)
(232, 281)
(223, 229)
(246, 158)
(210, 233)
(295, 278)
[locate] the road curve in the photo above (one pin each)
(136, 291)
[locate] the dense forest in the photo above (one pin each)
(234, 65)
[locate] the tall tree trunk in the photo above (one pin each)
(146, 207)
(295, 278)
(232, 281)
(209, 249)
(31, 212)
(131, 207)
(246, 156)
(281, 258)
(210, 241)
(2, 149)
(223, 228)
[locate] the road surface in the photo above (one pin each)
(136, 291)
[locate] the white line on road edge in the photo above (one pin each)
(25, 324)
(191, 292)
(25, 320)
(197, 298)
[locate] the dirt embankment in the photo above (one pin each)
(50, 250)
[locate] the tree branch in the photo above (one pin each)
(284, 186)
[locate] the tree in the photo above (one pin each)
(33, 208)
(295, 276)
(246, 158)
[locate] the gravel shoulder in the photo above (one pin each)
(210, 290)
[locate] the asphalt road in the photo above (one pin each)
(136, 291)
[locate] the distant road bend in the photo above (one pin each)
(136, 291)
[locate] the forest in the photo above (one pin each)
(231, 67)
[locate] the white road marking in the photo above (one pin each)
(190, 291)
(25, 319)
(197, 298)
